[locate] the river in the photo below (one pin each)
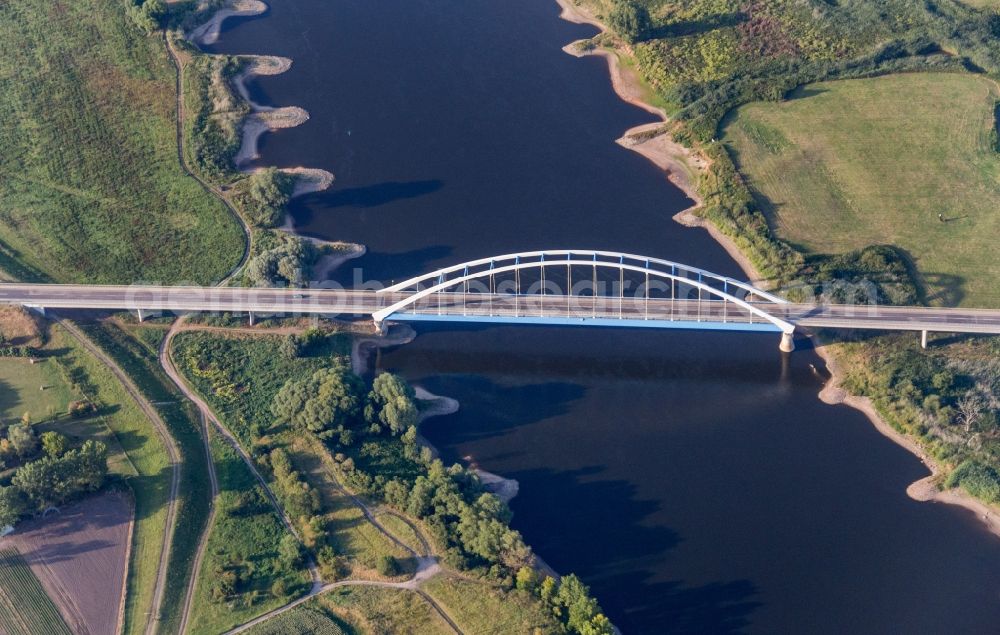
(693, 480)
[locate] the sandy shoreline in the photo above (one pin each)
(925, 489)
(681, 164)
(664, 155)
(262, 119)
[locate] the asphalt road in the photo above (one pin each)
(501, 307)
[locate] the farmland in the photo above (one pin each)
(79, 554)
(91, 188)
(24, 607)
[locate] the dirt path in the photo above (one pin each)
(173, 453)
(424, 572)
(171, 370)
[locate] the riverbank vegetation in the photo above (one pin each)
(252, 563)
(877, 188)
(947, 397)
(91, 188)
(318, 430)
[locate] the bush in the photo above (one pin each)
(630, 20)
(263, 195)
(388, 566)
(982, 481)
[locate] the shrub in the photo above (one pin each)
(388, 566)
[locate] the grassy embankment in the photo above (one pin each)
(860, 162)
(148, 471)
(91, 187)
(25, 609)
(135, 349)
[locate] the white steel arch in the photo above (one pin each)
(570, 254)
(646, 268)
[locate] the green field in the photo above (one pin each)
(845, 164)
(480, 608)
(25, 609)
(38, 389)
(90, 184)
(243, 541)
(382, 611)
(305, 620)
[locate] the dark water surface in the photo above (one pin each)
(694, 480)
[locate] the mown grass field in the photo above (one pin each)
(847, 164)
(384, 610)
(244, 539)
(25, 609)
(147, 463)
(90, 184)
(480, 608)
(37, 389)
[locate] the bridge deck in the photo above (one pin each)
(485, 307)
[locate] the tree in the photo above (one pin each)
(327, 399)
(391, 403)
(22, 435)
(289, 347)
(11, 506)
(527, 579)
(54, 444)
(630, 20)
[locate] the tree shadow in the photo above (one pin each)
(380, 193)
(697, 26)
(716, 607)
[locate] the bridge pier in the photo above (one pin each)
(251, 317)
(787, 343)
(139, 314)
(923, 339)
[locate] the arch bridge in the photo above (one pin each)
(559, 287)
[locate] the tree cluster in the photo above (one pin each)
(391, 404)
(569, 600)
(263, 195)
(286, 262)
(53, 479)
(329, 399)
(630, 20)
(147, 14)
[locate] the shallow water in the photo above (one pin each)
(694, 480)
